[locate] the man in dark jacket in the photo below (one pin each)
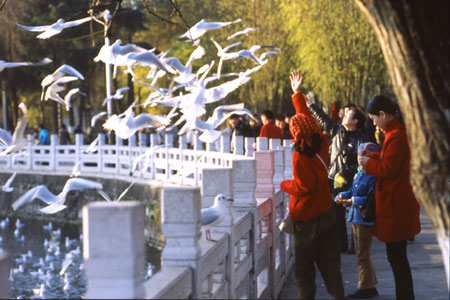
(346, 137)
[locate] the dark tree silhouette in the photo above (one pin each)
(415, 38)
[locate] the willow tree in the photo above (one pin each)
(414, 37)
(336, 50)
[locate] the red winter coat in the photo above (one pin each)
(309, 190)
(397, 210)
(271, 131)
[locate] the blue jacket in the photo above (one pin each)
(43, 137)
(362, 184)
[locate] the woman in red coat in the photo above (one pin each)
(397, 211)
(315, 227)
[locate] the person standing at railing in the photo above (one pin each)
(44, 138)
(64, 136)
(315, 226)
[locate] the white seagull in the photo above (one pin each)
(55, 202)
(117, 95)
(4, 64)
(127, 124)
(15, 142)
(214, 214)
(7, 187)
(108, 199)
(196, 31)
(60, 72)
(50, 30)
(246, 31)
(69, 95)
(97, 116)
(56, 87)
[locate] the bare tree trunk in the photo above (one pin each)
(414, 37)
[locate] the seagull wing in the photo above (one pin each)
(209, 216)
(5, 137)
(53, 208)
(10, 180)
(40, 192)
(145, 120)
(69, 95)
(198, 53)
(69, 70)
(34, 28)
(81, 184)
(221, 91)
(240, 112)
(75, 22)
(21, 125)
(92, 146)
(125, 191)
(104, 195)
(210, 136)
(96, 117)
(148, 58)
(220, 111)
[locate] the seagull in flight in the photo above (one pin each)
(196, 31)
(108, 199)
(15, 142)
(7, 187)
(56, 87)
(126, 124)
(47, 31)
(96, 117)
(246, 31)
(117, 95)
(55, 202)
(4, 64)
(62, 71)
(214, 214)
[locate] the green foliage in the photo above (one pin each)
(336, 50)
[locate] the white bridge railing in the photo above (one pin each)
(251, 258)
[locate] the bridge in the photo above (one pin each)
(251, 258)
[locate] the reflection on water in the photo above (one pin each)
(47, 261)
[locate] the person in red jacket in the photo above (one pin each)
(315, 226)
(397, 211)
(269, 129)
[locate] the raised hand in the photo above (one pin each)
(296, 81)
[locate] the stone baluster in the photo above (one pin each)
(198, 145)
(225, 146)
(181, 228)
(53, 145)
(265, 169)
(143, 139)
(5, 265)
(288, 150)
(168, 139)
(182, 142)
(113, 249)
(100, 145)
(119, 143)
(262, 143)
(153, 140)
(238, 145)
(249, 146)
(211, 147)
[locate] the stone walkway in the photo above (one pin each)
(424, 257)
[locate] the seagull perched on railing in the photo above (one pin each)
(7, 187)
(55, 202)
(4, 64)
(53, 29)
(214, 214)
(15, 142)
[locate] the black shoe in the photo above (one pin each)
(374, 291)
(361, 294)
(350, 251)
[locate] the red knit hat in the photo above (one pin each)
(302, 126)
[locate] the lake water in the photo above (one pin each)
(48, 262)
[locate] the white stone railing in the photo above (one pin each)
(251, 258)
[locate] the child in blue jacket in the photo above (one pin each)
(362, 231)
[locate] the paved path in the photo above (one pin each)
(424, 257)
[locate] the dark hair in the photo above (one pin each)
(383, 103)
(359, 116)
(234, 116)
(268, 113)
(41, 126)
(310, 151)
(380, 103)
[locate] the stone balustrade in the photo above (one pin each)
(251, 258)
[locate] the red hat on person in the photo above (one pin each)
(302, 127)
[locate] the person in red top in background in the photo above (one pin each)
(316, 237)
(269, 129)
(396, 208)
